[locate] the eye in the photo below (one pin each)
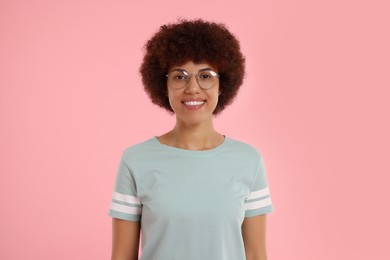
(206, 75)
(179, 77)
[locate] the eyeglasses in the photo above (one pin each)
(178, 79)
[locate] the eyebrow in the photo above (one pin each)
(181, 70)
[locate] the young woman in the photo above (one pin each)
(195, 193)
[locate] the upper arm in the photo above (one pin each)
(126, 211)
(125, 239)
(254, 236)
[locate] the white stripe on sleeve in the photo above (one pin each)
(258, 204)
(125, 209)
(258, 194)
(125, 198)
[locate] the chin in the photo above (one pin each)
(194, 119)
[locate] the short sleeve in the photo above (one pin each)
(125, 204)
(259, 200)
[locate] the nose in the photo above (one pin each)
(192, 85)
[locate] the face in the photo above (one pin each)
(193, 104)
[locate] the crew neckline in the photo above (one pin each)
(191, 152)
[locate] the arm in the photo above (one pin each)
(125, 239)
(254, 236)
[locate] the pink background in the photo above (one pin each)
(315, 102)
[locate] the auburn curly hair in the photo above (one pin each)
(198, 41)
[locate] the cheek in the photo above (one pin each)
(215, 101)
(170, 103)
(214, 97)
(174, 101)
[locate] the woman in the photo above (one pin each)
(197, 194)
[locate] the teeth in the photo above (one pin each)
(193, 103)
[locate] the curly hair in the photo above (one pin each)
(198, 41)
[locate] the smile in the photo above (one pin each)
(193, 103)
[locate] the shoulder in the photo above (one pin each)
(139, 150)
(244, 149)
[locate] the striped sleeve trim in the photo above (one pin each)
(126, 204)
(125, 209)
(258, 204)
(125, 198)
(258, 194)
(258, 199)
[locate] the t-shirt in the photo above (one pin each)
(191, 204)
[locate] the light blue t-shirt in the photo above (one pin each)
(191, 204)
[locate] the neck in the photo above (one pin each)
(193, 137)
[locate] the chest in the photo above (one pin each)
(195, 192)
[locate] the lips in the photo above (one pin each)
(194, 103)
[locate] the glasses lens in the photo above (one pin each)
(207, 79)
(177, 79)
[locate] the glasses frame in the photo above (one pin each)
(188, 75)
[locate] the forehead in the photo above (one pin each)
(192, 67)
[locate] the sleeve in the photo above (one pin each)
(125, 204)
(259, 200)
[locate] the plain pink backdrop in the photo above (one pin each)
(315, 102)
